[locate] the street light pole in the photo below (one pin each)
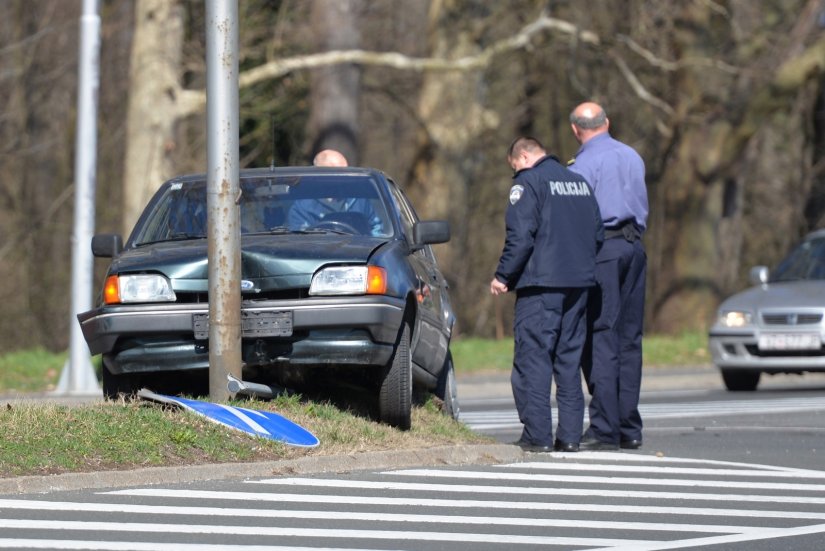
(78, 375)
(223, 193)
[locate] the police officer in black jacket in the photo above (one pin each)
(554, 229)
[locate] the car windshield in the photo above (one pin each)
(807, 261)
(345, 204)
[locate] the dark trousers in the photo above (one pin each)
(550, 330)
(612, 360)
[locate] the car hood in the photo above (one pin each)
(788, 294)
(268, 261)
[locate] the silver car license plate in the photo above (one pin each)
(790, 341)
(253, 324)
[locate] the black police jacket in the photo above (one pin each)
(554, 229)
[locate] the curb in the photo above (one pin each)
(446, 455)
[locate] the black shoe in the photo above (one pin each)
(588, 443)
(569, 447)
(630, 444)
(536, 448)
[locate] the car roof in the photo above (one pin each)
(289, 171)
(816, 234)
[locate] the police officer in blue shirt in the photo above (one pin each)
(612, 362)
(554, 229)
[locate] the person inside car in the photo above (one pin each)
(360, 214)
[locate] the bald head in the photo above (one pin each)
(587, 120)
(329, 157)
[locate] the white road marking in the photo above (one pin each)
(602, 480)
(22, 543)
(454, 503)
(285, 531)
(579, 467)
(346, 515)
(530, 490)
(764, 534)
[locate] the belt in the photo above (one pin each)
(627, 229)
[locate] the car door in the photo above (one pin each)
(435, 315)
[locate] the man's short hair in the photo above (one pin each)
(524, 143)
(589, 123)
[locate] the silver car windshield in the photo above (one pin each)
(296, 204)
(807, 261)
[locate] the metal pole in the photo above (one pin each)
(78, 376)
(223, 188)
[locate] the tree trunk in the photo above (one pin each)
(154, 74)
(336, 91)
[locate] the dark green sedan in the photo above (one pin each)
(338, 282)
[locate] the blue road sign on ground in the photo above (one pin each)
(265, 424)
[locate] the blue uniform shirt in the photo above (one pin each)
(617, 175)
(554, 229)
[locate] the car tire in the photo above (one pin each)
(737, 380)
(447, 389)
(395, 393)
(114, 385)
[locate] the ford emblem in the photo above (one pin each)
(247, 285)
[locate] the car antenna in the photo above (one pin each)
(272, 126)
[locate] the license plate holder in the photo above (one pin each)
(253, 324)
(789, 341)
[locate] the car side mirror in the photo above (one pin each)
(107, 245)
(431, 232)
(759, 275)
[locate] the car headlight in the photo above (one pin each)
(734, 318)
(137, 288)
(349, 280)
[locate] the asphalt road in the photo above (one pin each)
(688, 413)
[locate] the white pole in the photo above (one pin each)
(78, 376)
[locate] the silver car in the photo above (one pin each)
(776, 326)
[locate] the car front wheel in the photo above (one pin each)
(113, 385)
(395, 393)
(740, 379)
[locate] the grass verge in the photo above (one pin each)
(41, 439)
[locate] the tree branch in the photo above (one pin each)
(192, 101)
(638, 87)
(667, 65)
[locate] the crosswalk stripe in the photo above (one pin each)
(285, 531)
(764, 534)
(602, 480)
(532, 490)
(63, 544)
(600, 467)
(454, 503)
(406, 518)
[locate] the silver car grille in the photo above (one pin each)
(792, 318)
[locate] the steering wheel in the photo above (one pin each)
(335, 225)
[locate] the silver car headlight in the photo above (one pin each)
(734, 318)
(121, 289)
(349, 280)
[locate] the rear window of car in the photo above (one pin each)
(807, 261)
(270, 204)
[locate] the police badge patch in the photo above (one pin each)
(515, 193)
